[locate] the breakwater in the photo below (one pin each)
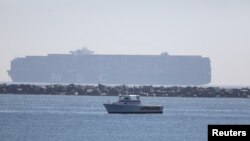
(103, 90)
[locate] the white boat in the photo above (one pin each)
(131, 104)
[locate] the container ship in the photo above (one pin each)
(85, 67)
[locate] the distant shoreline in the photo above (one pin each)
(143, 90)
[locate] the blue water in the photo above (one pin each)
(83, 118)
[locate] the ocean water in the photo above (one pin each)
(83, 118)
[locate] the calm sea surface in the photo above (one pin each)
(83, 118)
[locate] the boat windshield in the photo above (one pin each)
(129, 97)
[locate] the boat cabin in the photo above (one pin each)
(129, 98)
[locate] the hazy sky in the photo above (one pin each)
(219, 29)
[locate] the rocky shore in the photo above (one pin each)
(103, 90)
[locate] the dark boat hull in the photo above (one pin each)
(133, 109)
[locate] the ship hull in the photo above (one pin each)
(133, 109)
(112, 69)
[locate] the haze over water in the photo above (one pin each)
(211, 28)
